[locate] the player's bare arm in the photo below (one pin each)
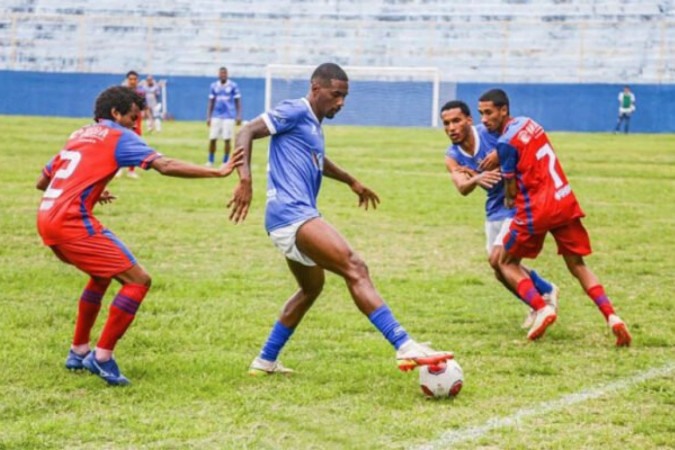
(510, 191)
(366, 196)
(466, 180)
(243, 192)
(176, 168)
(237, 102)
(209, 111)
(490, 162)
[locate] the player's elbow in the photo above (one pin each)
(163, 165)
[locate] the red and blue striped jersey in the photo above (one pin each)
(79, 174)
(545, 198)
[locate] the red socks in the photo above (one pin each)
(87, 310)
(529, 294)
(597, 294)
(122, 312)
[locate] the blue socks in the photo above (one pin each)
(541, 284)
(212, 157)
(384, 320)
(278, 337)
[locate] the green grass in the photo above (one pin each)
(218, 288)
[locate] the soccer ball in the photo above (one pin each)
(441, 380)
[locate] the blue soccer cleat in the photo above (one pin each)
(74, 360)
(107, 370)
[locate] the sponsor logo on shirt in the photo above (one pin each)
(94, 133)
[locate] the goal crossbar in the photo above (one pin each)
(432, 74)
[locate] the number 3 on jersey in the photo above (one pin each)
(52, 193)
(546, 150)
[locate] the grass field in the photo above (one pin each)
(217, 289)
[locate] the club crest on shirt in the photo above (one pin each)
(278, 118)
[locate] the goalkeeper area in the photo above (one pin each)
(378, 96)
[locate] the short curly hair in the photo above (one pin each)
(119, 97)
(326, 72)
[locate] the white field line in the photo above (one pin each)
(447, 439)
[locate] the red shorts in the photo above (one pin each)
(101, 255)
(572, 239)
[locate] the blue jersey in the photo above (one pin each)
(485, 143)
(295, 166)
(224, 96)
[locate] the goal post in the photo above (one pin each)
(389, 96)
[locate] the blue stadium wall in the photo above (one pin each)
(558, 107)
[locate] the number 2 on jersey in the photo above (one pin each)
(52, 193)
(546, 150)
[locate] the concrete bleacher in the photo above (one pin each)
(564, 41)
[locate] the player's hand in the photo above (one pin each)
(240, 201)
(208, 122)
(510, 203)
(237, 159)
(366, 196)
(490, 162)
(106, 197)
(489, 178)
(238, 121)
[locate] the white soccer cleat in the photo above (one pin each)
(529, 319)
(261, 366)
(209, 164)
(132, 174)
(551, 298)
(412, 354)
(620, 330)
(545, 317)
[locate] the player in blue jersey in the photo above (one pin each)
(297, 164)
(470, 146)
(223, 110)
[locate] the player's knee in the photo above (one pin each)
(575, 264)
(493, 260)
(314, 290)
(358, 269)
(145, 279)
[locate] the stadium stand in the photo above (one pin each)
(607, 42)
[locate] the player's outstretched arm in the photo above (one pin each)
(176, 168)
(243, 192)
(366, 196)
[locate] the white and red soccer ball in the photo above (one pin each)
(442, 380)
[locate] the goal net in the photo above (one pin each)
(378, 96)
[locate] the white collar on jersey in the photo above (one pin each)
(311, 111)
(476, 143)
